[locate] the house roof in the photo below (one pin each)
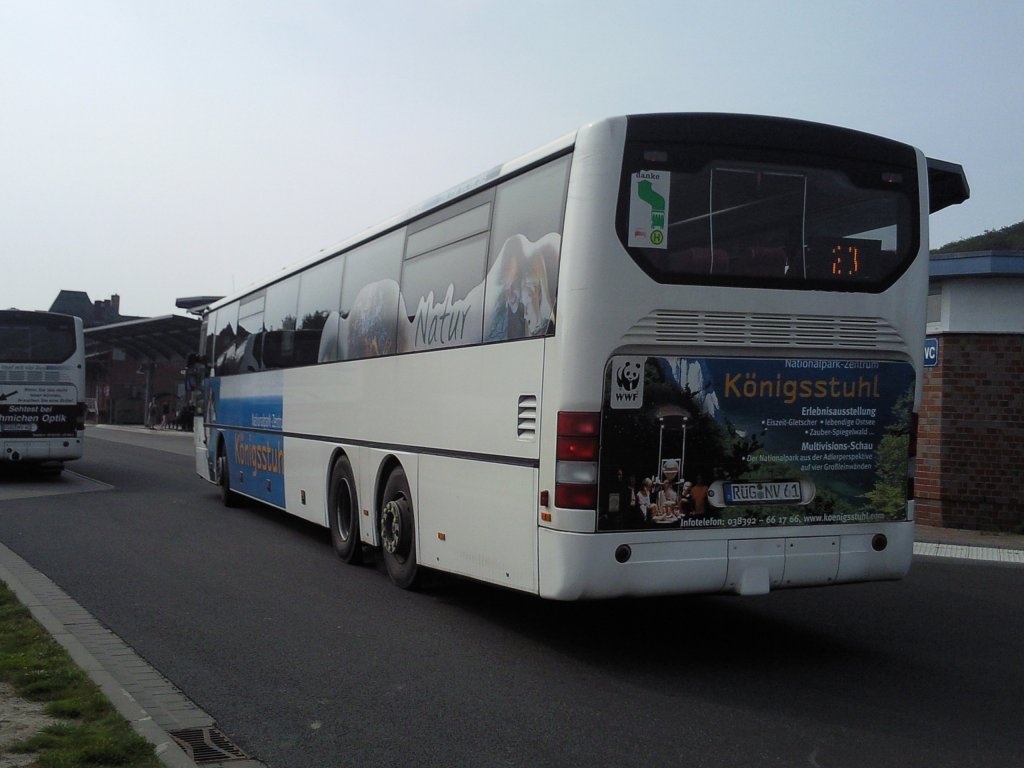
(93, 313)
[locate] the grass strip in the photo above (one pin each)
(91, 733)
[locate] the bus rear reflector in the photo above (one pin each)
(576, 449)
(569, 496)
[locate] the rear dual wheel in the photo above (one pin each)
(398, 532)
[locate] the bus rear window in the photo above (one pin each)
(37, 341)
(688, 215)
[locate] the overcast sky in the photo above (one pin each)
(166, 149)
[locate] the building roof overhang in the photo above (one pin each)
(150, 340)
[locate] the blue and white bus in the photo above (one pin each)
(42, 388)
(663, 354)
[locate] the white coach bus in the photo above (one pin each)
(663, 354)
(42, 388)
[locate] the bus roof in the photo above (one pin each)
(465, 189)
(34, 316)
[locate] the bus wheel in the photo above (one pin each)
(343, 513)
(228, 497)
(397, 531)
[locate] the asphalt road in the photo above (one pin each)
(303, 661)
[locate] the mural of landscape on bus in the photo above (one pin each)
(693, 442)
(459, 302)
(519, 303)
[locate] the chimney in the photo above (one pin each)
(115, 303)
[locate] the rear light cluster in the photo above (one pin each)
(576, 460)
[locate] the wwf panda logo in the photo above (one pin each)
(628, 375)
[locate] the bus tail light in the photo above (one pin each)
(576, 460)
(576, 496)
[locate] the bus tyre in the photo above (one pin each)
(397, 532)
(228, 497)
(343, 513)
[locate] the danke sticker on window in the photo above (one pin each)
(648, 209)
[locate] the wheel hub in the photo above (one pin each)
(343, 511)
(391, 528)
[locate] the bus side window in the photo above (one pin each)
(442, 293)
(226, 336)
(442, 279)
(319, 302)
(522, 271)
(279, 324)
(250, 333)
(209, 339)
(369, 298)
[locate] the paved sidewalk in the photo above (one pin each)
(932, 535)
(138, 428)
(984, 546)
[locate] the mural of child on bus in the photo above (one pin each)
(520, 302)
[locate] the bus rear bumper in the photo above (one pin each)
(585, 566)
(35, 451)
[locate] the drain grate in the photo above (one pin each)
(207, 745)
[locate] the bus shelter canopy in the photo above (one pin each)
(149, 340)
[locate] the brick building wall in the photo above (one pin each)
(118, 384)
(970, 454)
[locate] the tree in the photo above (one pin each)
(889, 495)
(1009, 238)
